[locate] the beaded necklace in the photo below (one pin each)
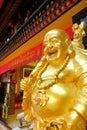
(55, 77)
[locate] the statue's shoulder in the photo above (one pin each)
(77, 43)
(80, 52)
(81, 57)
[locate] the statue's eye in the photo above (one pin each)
(54, 40)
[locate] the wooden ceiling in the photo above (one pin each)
(7, 10)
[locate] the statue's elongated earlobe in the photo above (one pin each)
(71, 52)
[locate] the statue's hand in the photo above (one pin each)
(55, 124)
(24, 84)
(73, 121)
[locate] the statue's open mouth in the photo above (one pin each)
(52, 52)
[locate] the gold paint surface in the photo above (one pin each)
(55, 93)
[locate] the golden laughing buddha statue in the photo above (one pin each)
(55, 94)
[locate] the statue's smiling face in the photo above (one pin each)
(55, 46)
(52, 49)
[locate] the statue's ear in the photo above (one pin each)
(67, 41)
(71, 51)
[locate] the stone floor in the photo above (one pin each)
(14, 123)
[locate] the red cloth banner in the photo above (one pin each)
(26, 57)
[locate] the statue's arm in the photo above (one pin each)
(76, 118)
(27, 85)
(80, 105)
(26, 102)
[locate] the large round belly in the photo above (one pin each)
(54, 101)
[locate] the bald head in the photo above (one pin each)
(57, 33)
